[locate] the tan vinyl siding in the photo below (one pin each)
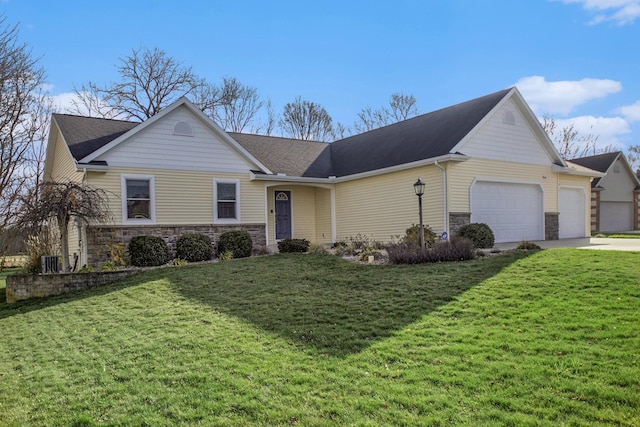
(303, 201)
(461, 177)
(323, 216)
(311, 212)
(183, 197)
(63, 167)
(384, 206)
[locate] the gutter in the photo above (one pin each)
(334, 180)
(86, 167)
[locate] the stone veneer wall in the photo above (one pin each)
(636, 210)
(551, 225)
(27, 286)
(457, 220)
(595, 211)
(99, 237)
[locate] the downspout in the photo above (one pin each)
(444, 192)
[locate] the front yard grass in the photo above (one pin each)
(540, 338)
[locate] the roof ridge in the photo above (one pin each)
(95, 118)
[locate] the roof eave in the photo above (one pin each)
(569, 170)
(294, 179)
(425, 162)
(87, 167)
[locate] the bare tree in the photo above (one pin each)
(88, 102)
(271, 119)
(401, 107)
(306, 120)
(61, 202)
(240, 104)
(22, 104)
(633, 156)
(569, 142)
(149, 81)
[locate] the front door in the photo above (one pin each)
(283, 214)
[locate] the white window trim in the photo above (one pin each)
(152, 199)
(217, 220)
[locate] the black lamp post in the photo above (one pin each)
(418, 187)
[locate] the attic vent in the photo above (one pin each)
(508, 118)
(616, 169)
(183, 128)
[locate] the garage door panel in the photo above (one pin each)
(616, 216)
(513, 211)
(572, 209)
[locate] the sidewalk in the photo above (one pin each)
(599, 243)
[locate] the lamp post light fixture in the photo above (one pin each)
(418, 187)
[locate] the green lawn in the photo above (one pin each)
(622, 235)
(541, 338)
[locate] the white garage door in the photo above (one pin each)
(616, 216)
(572, 208)
(513, 211)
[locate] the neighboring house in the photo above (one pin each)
(485, 160)
(615, 202)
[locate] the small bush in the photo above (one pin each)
(293, 245)
(318, 249)
(148, 251)
(412, 236)
(376, 254)
(177, 262)
(86, 269)
(194, 247)
(260, 250)
(480, 235)
(225, 256)
(238, 242)
(116, 254)
(109, 266)
(527, 246)
(457, 249)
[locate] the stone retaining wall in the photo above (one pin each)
(99, 237)
(27, 286)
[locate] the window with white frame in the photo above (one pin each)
(226, 194)
(138, 205)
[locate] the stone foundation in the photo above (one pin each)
(457, 220)
(99, 238)
(27, 286)
(551, 226)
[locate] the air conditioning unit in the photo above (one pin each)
(51, 264)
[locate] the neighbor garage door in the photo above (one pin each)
(572, 208)
(616, 216)
(513, 211)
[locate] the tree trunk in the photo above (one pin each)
(64, 243)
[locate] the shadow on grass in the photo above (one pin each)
(331, 305)
(321, 303)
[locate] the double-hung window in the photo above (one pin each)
(138, 205)
(226, 200)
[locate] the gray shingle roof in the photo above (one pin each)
(599, 162)
(424, 137)
(84, 135)
(289, 156)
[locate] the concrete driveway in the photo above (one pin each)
(599, 243)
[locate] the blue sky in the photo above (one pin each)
(576, 60)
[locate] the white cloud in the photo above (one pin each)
(63, 102)
(563, 96)
(622, 12)
(608, 130)
(630, 112)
